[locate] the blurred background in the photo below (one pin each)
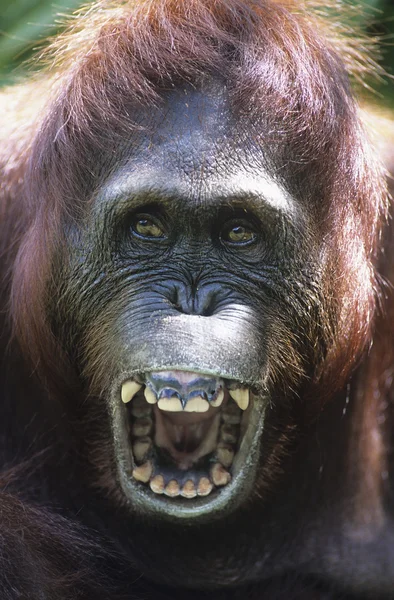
(23, 23)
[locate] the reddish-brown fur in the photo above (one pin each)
(281, 60)
(118, 57)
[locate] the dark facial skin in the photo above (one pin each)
(191, 259)
(184, 182)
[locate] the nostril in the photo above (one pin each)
(179, 300)
(208, 304)
(207, 312)
(206, 301)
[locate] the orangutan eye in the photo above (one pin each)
(147, 227)
(238, 233)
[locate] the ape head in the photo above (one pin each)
(204, 217)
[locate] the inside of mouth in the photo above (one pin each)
(181, 453)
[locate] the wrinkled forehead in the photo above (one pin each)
(196, 128)
(193, 145)
(195, 131)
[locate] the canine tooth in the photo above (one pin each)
(141, 427)
(241, 397)
(141, 448)
(204, 487)
(129, 390)
(170, 404)
(219, 475)
(225, 454)
(197, 404)
(150, 396)
(229, 434)
(144, 472)
(157, 484)
(219, 399)
(189, 489)
(172, 489)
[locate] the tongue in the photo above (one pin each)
(187, 436)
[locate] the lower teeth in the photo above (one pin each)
(189, 489)
(220, 476)
(144, 472)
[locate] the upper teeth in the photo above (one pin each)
(219, 399)
(241, 397)
(150, 396)
(129, 390)
(173, 404)
(197, 404)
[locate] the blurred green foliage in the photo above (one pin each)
(23, 23)
(381, 24)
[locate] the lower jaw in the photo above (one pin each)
(207, 505)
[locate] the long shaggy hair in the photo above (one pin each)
(281, 66)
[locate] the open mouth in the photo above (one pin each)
(186, 432)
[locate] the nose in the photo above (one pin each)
(197, 300)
